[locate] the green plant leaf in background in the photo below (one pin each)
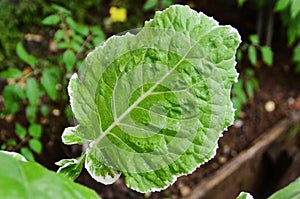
(49, 83)
(22, 179)
(295, 8)
(24, 56)
(254, 39)
(11, 73)
(32, 91)
(281, 5)
(69, 59)
(12, 94)
(51, 20)
(80, 28)
(267, 55)
(151, 105)
(35, 130)
(26, 152)
(20, 131)
(252, 55)
(30, 112)
(35, 145)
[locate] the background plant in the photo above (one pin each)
(44, 77)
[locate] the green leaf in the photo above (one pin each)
(281, 5)
(267, 55)
(151, 105)
(32, 91)
(31, 113)
(254, 39)
(12, 94)
(150, 4)
(11, 142)
(69, 59)
(252, 55)
(71, 168)
(49, 82)
(35, 130)
(22, 179)
(20, 131)
(296, 54)
(291, 191)
(35, 145)
(27, 153)
(11, 73)
(24, 56)
(44, 110)
(249, 89)
(295, 8)
(241, 2)
(80, 28)
(59, 34)
(244, 195)
(51, 20)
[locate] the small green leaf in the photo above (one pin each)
(95, 30)
(32, 91)
(71, 168)
(281, 5)
(239, 55)
(254, 39)
(11, 142)
(51, 20)
(60, 9)
(35, 145)
(252, 55)
(20, 131)
(3, 146)
(62, 45)
(295, 8)
(49, 82)
(11, 73)
(24, 56)
(31, 113)
(75, 46)
(35, 130)
(80, 28)
(150, 4)
(249, 89)
(69, 59)
(241, 2)
(296, 54)
(44, 110)
(12, 94)
(27, 153)
(267, 55)
(59, 34)
(98, 40)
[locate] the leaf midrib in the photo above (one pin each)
(140, 99)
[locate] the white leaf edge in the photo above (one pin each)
(106, 180)
(15, 155)
(248, 195)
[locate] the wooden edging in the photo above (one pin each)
(210, 183)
